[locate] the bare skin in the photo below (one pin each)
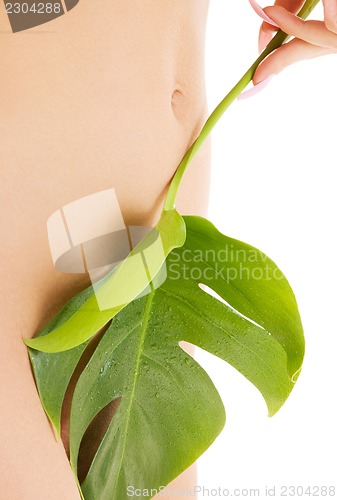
(109, 95)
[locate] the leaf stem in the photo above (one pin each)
(213, 119)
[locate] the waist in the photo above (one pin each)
(84, 112)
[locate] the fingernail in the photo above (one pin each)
(254, 90)
(264, 38)
(260, 12)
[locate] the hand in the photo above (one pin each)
(311, 38)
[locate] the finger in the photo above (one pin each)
(289, 53)
(314, 32)
(330, 14)
(267, 30)
(293, 6)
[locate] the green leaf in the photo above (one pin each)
(170, 411)
(53, 372)
(251, 283)
(127, 281)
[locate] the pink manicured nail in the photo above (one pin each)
(260, 12)
(264, 39)
(257, 88)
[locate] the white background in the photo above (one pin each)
(273, 186)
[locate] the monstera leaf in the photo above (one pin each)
(170, 411)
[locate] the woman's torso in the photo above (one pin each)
(109, 95)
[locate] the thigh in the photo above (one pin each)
(33, 463)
